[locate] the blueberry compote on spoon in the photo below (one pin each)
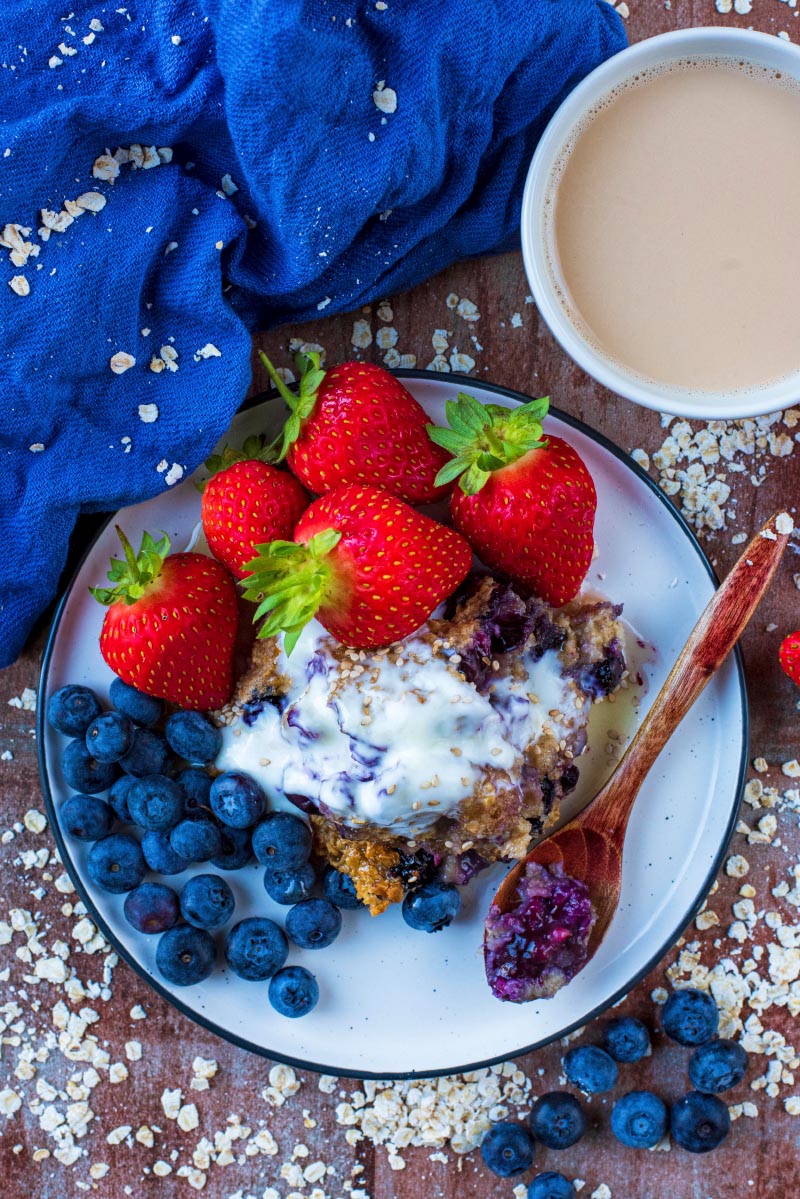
(541, 941)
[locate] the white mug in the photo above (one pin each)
(759, 49)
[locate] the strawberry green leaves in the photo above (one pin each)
(485, 437)
(133, 574)
(254, 449)
(301, 405)
(288, 581)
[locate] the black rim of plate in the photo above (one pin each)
(274, 1054)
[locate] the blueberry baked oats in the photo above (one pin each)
(435, 756)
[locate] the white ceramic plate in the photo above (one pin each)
(398, 1002)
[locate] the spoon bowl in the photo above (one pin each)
(589, 849)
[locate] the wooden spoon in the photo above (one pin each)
(589, 848)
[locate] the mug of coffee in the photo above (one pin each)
(661, 223)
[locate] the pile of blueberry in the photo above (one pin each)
(698, 1122)
(152, 769)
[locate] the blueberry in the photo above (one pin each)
(551, 1186)
(340, 889)
(431, 907)
(118, 796)
(237, 800)
(591, 1069)
(290, 886)
(698, 1122)
(507, 1149)
(639, 1119)
(314, 923)
(160, 856)
(255, 948)
(140, 708)
(155, 802)
(185, 955)
(236, 851)
(109, 737)
(281, 841)
(293, 991)
(196, 787)
(71, 710)
(207, 901)
(196, 840)
(86, 817)
(690, 1017)
(717, 1066)
(83, 772)
(557, 1120)
(149, 754)
(192, 736)
(116, 863)
(626, 1039)
(151, 908)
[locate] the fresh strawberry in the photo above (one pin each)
(789, 655)
(171, 623)
(369, 567)
(248, 503)
(525, 503)
(356, 423)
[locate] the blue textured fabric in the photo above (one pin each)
(349, 202)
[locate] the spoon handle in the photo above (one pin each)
(709, 644)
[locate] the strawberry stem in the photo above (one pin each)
(130, 557)
(486, 437)
(300, 405)
(132, 576)
(290, 581)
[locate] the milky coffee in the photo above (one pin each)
(674, 226)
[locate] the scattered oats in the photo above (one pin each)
(51, 969)
(791, 769)
(323, 303)
(385, 312)
(439, 364)
(118, 1135)
(162, 466)
(176, 39)
(20, 285)
(105, 167)
(208, 351)
(170, 246)
(706, 920)
(440, 340)
(516, 320)
(161, 1168)
(385, 98)
(54, 61)
(34, 821)
(467, 310)
(361, 337)
(792, 1105)
(171, 1103)
(228, 186)
(461, 362)
(137, 1012)
(6, 756)
(761, 765)
(641, 459)
(205, 1067)
(737, 866)
(188, 1118)
(327, 1083)
(121, 362)
(174, 474)
(118, 1072)
(144, 1136)
(602, 1192)
(386, 338)
(784, 523)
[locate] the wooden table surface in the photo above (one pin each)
(756, 1160)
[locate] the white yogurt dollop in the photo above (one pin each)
(399, 742)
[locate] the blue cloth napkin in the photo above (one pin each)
(371, 145)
